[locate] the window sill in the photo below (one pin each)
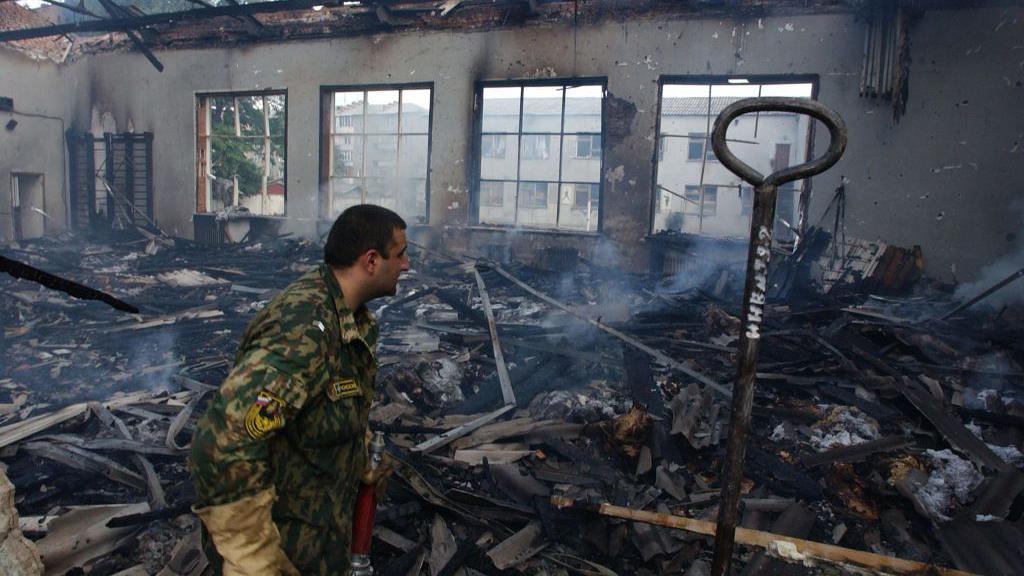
(528, 230)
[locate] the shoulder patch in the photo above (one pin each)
(264, 416)
(343, 389)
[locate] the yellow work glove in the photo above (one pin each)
(377, 477)
(246, 537)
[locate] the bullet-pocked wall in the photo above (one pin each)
(33, 192)
(942, 178)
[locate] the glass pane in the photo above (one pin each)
(250, 115)
(276, 110)
(497, 202)
(348, 112)
(415, 111)
(412, 200)
(348, 157)
(222, 115)
(542, 109)
(412, 156)
(499, 156)
(345, 192)
(580, 204)
(539, 154)
(381, 155)
(501, 109)
(382, 111)
(583, 109)
(538, 204)
(381, 191)
(581, 158)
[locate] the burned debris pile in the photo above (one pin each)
(504, 390)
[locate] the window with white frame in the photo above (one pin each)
(379, 149)
(689, 177)
(242, 152)
(540, 154)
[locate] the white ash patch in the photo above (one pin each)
(188, 278)
(844, 426)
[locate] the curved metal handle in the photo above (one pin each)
(835, 125)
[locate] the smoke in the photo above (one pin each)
(997, 271)
(704, 265)
(152, 361)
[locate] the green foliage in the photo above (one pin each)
(242, 155)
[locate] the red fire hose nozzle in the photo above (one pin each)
(366, 507)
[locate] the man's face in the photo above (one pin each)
(391, 268)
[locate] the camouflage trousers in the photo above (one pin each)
(314, 550)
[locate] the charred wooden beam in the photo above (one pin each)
(26, 272)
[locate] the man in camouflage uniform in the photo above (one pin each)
(278, 457)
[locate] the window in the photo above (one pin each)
(378, 149)
(540, 154)
(492, 194)
(767, 141)
(588, 147)
(533, 194)
(242, 152)
(705, 206)
(699, 142)
(492, 146)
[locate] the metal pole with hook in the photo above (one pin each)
(758, 255)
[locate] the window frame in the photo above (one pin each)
(326, 135)
(202, 155)
(813, 79)
(474, 167)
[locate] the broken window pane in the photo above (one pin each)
(501, 109)
(415, 111)
(222, 115)
(767, 141)
(250, 115)
(276, 113)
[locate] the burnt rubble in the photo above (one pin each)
(878, 425)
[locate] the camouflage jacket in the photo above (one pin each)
(292, 415)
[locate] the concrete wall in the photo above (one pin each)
(942, 178)
(35, 145)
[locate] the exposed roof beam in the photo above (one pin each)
(121, 24)
(116, 11)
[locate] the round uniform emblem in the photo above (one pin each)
(264, 416)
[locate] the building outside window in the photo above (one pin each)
(492, 146)
(540, 154)
(241, 152)
(378, 149)
(688, 177)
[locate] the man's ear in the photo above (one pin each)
(371, 259)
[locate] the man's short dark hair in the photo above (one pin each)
(360, 228)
